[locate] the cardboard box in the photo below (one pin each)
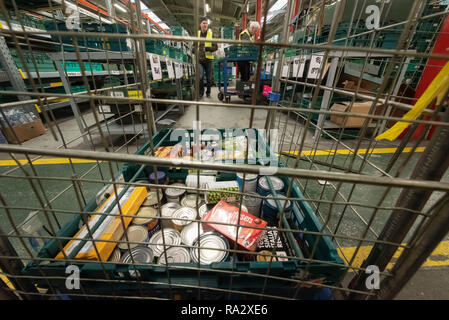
(24, 132)
(357, 107)
(111, 229)
(248, 238)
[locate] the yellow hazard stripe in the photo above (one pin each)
(346, 151)
(46, 161)
(6, 281)
(438, 258)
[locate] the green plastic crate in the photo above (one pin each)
(303, 219)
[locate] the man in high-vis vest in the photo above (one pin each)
(206, 56)
(247, 35)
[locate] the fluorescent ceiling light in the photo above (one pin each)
(119, 7)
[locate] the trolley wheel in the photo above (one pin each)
(220, 96)
(228, 99)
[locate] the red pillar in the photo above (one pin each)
(432, 69)
(295, 12)
(259, 15)
(244, 20)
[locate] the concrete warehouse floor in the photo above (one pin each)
(430, 282)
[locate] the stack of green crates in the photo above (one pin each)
(177, 30)
(154, 46)
(227, 32)
(242, 51)
(73, 66)
(43, 62)
(84, 40)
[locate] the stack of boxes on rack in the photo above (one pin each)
(20, 125)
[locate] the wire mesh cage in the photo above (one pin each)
(337, 171)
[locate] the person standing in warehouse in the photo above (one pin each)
(247, 35)
(206, 56)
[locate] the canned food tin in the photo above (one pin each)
(190, 200)
(192, 181)
(263, 187)
(115, 256)
(152, 196)
(167, 211)
(253, 204)
(174, 255)
(161, 178)
(143, 182)
(183, 213)
(135, 234)
(216, 244)
(203, 209)
(147, 217)
(250, 182)
(172, 237)
(270, 211)
(174, 195)
(190, 233)
(139, 254)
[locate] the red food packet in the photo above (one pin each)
(223, 212)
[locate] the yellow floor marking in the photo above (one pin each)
(438, 258)
(6, 280)
(45, 161)
(346, 151)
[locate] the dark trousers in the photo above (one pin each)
(244, 69)
(206, 68)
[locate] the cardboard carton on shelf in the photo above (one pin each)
(24, 131)
(357, 107)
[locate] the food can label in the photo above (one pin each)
(153, 226)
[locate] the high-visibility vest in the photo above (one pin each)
(247, 32)
(208, 54)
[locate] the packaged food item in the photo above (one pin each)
(270, 210)
(250, 182)
(172, 237)
(174, 194)
(135, 234)
(212, 248)
(161, 177)
(152, 197)
(183, 213)
(174, 255)
(263, 188)
(217, 191)
(274, 239)
(224, 213)
(190, 200)
(147, 217)
(167, 211)
(110, 227)
(192, 181)
(253, 204)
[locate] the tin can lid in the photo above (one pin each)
(212, 240)
(190, 232)
(183, 213)
(203, 210)
(272, 202)
(145, 215)
(248, 176)
(174, 255)
(172, 192)
(169, 208)
(190, 200)
(160, 176)
(115, 255)
(171, 237)
(151, 199)
(140, 255)
(277, 183)
(135, 234)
